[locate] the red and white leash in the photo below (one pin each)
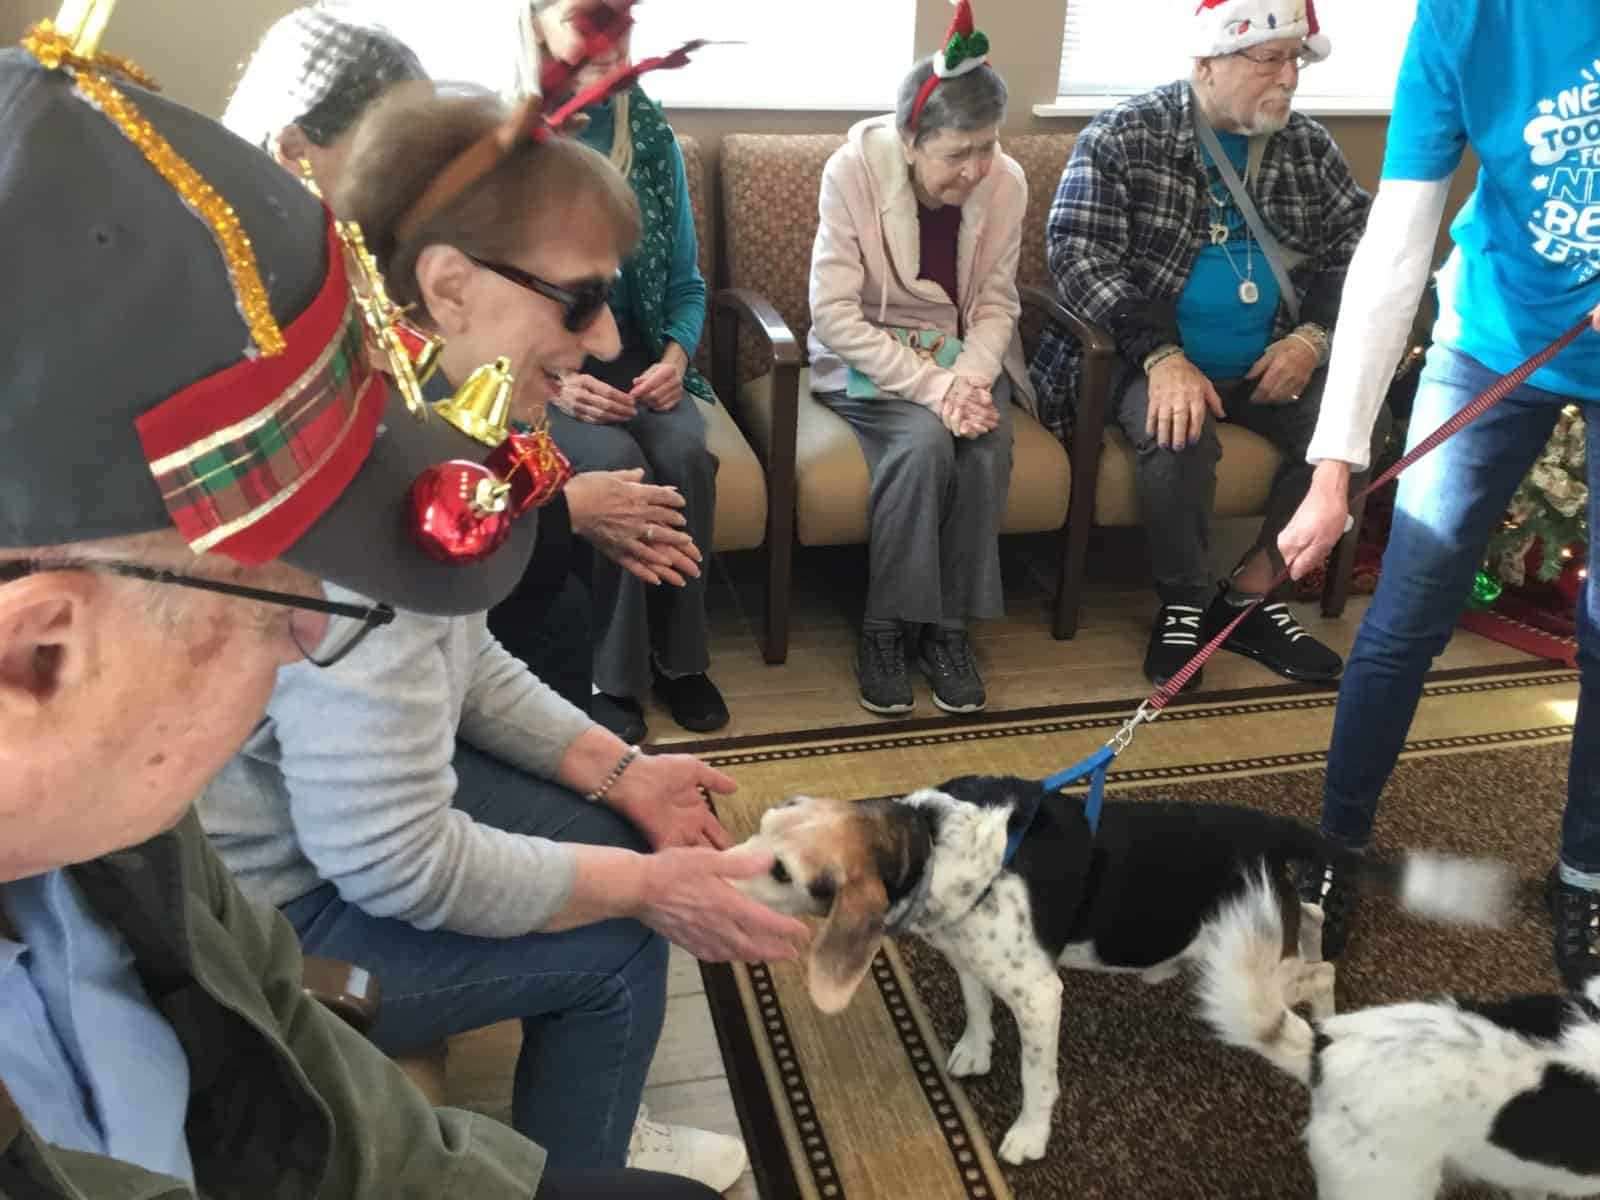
(1496, 392)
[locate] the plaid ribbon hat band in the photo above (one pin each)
(247, 459)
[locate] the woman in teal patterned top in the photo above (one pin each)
(639, 411)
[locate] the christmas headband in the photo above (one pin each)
(601, 29)
(965, 50)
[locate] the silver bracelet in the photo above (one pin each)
(1160, 355)
(1316, 338)
(599, 794)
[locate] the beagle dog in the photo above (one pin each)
(1142, 896)
(1504, 1093)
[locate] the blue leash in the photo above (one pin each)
(1095, 767)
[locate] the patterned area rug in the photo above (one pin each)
(859, 1106)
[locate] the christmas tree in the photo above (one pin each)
(1546, 532)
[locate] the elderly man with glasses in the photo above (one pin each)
(1219, 282)
(193, 441)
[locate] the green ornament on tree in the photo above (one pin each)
(1486, 590)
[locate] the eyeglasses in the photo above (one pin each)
(348, 629)
(1266, 63)
(581, 304)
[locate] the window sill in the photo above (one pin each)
(754, 104)
(1312, 106)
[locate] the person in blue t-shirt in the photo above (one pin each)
(1147, 240)
(1521, 87)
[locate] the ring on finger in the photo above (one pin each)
(649, 534)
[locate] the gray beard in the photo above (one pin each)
(1264, 126)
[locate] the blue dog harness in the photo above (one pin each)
(1095, 767)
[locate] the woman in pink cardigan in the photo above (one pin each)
(914, 342)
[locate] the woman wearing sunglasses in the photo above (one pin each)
(429, 808)
(640, 409)
(299, 99)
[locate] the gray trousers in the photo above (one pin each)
(631, 617)
(933, 510)
(1177, 488)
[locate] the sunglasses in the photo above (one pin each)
(349, 627)
(580, 304)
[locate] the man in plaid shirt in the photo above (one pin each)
(1146, 240)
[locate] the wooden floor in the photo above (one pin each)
(1022, 667)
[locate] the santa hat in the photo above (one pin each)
(965, 49)
(1228, 26)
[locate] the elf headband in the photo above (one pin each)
(965, 50)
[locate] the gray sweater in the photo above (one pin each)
(348, 781)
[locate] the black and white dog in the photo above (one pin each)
(1146, 895)
(1506, 1093)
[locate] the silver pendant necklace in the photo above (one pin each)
(1249, 291)
(1219, 219)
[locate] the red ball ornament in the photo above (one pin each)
(534, 467)
(459, 512)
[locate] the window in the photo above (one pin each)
(790, 57)
(1117, 48)
(471, 41)
(820, 54)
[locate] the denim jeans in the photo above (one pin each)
(591, 1000)
(1447, 506)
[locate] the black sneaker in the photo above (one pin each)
(1174, 639)
(1330, 889)
(693, 701)
(1577, 914)
(1272, 637)
(947, 664)
(883, 685)
(623, 715)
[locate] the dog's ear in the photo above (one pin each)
(841, 954)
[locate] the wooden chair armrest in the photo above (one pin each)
(1095, 341)
(751, 308)
(733, 309)
(350, 991)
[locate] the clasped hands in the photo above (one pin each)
(968, 409)
(593, 401)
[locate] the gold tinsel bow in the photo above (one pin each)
(91, 71)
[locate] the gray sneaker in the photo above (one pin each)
(883, 685)
(946, 661)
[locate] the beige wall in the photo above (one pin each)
(196, 47)
(193, 48)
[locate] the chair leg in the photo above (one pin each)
(1342, 565)
(1094, 397)
(780, 588)
(1070, 570)
(782, 490)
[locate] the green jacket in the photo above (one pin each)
(286, 1100)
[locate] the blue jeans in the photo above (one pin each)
(591, 1000)
(1447, 506)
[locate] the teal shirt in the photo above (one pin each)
(686, 288)
(1222, 335)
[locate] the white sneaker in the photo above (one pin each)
(713, 1159)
